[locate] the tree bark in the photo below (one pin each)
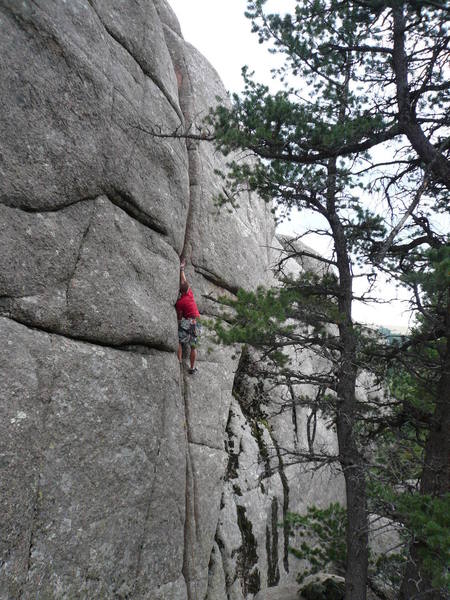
(437, 162)
(435, 480)
(351, 461)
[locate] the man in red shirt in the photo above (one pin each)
(188, 324)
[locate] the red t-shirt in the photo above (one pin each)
(186, 307)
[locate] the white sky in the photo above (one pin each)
(220, 31)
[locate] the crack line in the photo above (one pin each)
(206, 446)
(123, 44)
(215, 279)
(37, 498)
(148, 511)
(137, 347)
(78, 257)
(121, 199)
(190, 529)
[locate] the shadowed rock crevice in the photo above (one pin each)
(192, 567)
(128, 204)
(189, 532)
(185, 99)
(191, 508)
(273, 572)
(121, 199)
(225, 580)
(132, 347)
(233, 453)
(17, 205)
(78, 254)
(216, 279)
(247, 556)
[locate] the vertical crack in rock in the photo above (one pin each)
(148, 511)
(257, 432)
(31, 540)
(294, 423)
(45, 396)
(189, 562)
(247, 555)
(191, 520)
(193, 162)
(79, 252)
(233, 456)
(189, 439)
(273, 572)
(285, 484)
(185, 94)
(191, 517)
(221, 547)
(124, 44)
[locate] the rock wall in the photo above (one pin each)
(120, 475)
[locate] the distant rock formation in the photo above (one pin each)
(120, 475)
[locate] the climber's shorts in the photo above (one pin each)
(189, 330)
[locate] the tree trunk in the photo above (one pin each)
(435, 479)
(355, 485)
(435, 160)
(346, 412)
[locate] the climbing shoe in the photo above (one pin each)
(192, 371)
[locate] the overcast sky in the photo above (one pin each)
(220, 31)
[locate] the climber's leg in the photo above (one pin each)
(193, 357)
(194, 335)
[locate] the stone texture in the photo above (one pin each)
(287, 592)
(91, 435)
(71, 108)
(70, 284)
(167, 16)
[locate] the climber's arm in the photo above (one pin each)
(182, 275)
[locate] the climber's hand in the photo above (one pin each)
(182, 262)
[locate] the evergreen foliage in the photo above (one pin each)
(323, 539)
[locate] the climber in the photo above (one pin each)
(189, 328)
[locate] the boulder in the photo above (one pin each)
(323, 586)
(286, 592)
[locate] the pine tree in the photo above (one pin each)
(358, 76)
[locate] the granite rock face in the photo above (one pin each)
(120, 475)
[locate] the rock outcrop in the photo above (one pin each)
(120, 475)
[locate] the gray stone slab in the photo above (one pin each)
(93, 471)
(73, 106)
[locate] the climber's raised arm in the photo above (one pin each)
(184, 286)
